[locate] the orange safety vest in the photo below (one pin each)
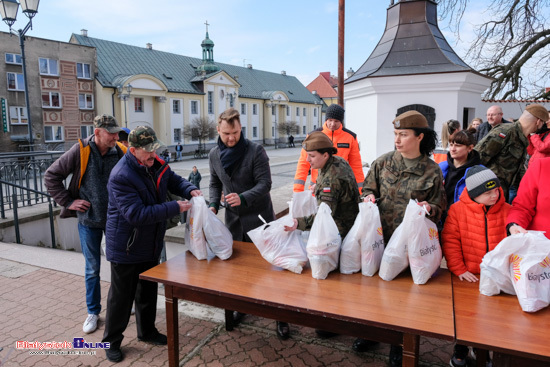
(346, 142)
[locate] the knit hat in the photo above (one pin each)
(409, 120)
(480, 179)
(144, 137)
(318, 140)
(107, 122)
(336, 112)
(538, 111)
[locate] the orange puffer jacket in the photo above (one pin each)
(471, 231)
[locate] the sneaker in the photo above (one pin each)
(90, 325)
(460, 354)
(157, 339)
(114, 355)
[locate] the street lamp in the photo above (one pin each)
(124, 96)
(8, 9)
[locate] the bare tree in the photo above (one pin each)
(510, 45)
(288, 128)
(201, 129)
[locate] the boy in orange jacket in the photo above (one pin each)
(475, 225)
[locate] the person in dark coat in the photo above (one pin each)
(195, 177)
(136, 224)
(240, 169)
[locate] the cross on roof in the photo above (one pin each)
(206, 25)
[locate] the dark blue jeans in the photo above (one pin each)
(90, 241)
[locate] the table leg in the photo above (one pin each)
(411, 346)
(228, 320)
(172, 326)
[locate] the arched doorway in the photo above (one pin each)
(427, 111)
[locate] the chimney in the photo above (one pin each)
(84, 32)
(283, 72)
(149, 46)
(249, 66)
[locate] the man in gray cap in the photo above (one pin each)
(504, 149)
(90, 162)
(342, 139)
(136, 224)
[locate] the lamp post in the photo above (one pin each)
(124, 96)
(271, 105)
(8, 9)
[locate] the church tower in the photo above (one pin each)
(208, 65)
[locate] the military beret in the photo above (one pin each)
(318, 140)
(538, 111)
(409, 120)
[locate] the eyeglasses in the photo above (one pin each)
(493, 114)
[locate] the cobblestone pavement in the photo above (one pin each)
(44, 305)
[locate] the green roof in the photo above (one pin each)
(117, 62)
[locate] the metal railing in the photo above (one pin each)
(14, 194)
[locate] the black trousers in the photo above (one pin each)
(125, 287)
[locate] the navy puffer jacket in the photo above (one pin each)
(137, 211)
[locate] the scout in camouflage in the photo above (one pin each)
(504, 149)
(394, 184)
(407, 173)
(336, 185)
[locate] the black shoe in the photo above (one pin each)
(114, 355)
(157, 339)
(324, 334)
(238, 317)
(362, 345)
(396, 356)
(283, 330)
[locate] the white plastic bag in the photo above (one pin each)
(350, 254)
(520, 265)
(323, 245)
(218, 237)
(372, 242)
(424, 248)
(395, 258)
(278, 247)
(194, 234)
(303, 204)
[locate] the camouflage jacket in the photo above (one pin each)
(393, 184)
(336, 186)
(503, 151)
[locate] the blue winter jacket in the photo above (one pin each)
(137, 211)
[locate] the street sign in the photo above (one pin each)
(5, 125)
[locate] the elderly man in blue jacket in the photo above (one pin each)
(136, 224)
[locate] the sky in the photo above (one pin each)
(297, 36)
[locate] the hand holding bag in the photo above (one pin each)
(323, 245)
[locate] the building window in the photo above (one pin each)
(13, 59)
(243, 108)
(194, 107)
(273, 110)
(231, 100)
(85, 101)
(53, 133)
(255, 109)
(314, 112)
(210, 102)
(297, 111)
(304, 112)
(288, 110)
(177, 135)
(176, 106)
(16, 82)
(51, 99)
(304, 130)
(47, 66)
(244, 131)
(83, 71)
(18, 115)
(254, 131)
(138, 104)
(86, 131)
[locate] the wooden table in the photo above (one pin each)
(395, 312)
(499, 324)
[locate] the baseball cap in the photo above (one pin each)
(144, 137)
(107, 122)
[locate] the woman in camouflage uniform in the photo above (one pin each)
(406, 173)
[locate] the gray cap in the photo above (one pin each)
(480, 179)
